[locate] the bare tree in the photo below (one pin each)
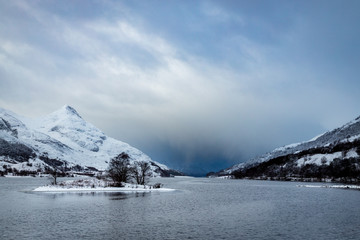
(141, 172)
(119, 169)
(135, 172)
(53, 176)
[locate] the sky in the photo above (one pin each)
(197, 85)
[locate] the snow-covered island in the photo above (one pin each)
(96, 185)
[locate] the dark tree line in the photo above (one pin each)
(345, 170)
(16, 151)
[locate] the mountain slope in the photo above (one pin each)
(334, 154)
(62, 138)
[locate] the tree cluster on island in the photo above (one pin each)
(121, 171)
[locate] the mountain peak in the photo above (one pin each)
(69, 111)
(61, 137)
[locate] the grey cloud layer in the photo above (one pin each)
(140, 86)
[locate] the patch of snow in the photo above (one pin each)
(226, 177)
(12, 176)
(352, 154)
(183, 177)
(351, 139)
(287, 147)
(316, 137)
(328, 158)
(95, 185)
(357, 187)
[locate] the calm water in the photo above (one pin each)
(199, 209)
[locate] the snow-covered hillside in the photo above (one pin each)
(58, 138)
(340, 143)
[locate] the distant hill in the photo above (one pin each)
(333, 155)
(62, 139)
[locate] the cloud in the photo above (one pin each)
(219, 14)
(236, 99)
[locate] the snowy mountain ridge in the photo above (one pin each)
(61, 137)
(348, 133)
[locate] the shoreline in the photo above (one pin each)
(292, 179)
(96, 185)
(100, 189)
(352, 187)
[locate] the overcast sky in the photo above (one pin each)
(197, 85)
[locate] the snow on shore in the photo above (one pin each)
(356, 187)
(95, 185)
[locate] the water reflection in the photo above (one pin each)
(109, 195)
(122, 196)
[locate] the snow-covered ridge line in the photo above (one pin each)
(348, 133)
(293, 145)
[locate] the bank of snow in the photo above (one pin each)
(356, 187)
(95, 185)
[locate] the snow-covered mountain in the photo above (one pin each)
(323, 151)
(61, 138)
